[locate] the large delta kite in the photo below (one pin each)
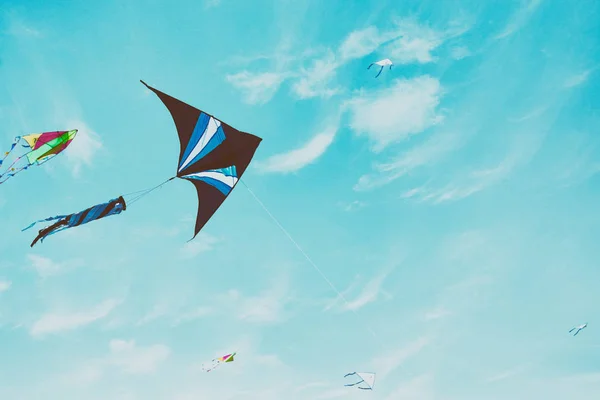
(213, 157)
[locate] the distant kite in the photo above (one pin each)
(382, 63)
(213, 156)
(41, 147)
(218, 361)
(578, 328)
(367, 378)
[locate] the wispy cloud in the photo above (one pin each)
(297, 159)
(419, 388)
(4, 285)
(257, 88)
(507, 374)
(407, 107)
(124, 356)
(315, 81)
(432, 150)
(267, 307)
(370, 292)
(83, 148)
(352, 206)
(136, 360)
(437, 313)
(19, 28)
(202, 242)
(520, 17)
(391, 360)
(577, 79)
(212, 3)
(407, 42)
(59, 322)
(46, 267)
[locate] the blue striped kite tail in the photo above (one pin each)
(44, 220)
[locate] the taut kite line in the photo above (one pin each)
(213, 157)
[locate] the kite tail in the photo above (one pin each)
(43, 220)
(10, 166)
(11, 149)
(8, 176)
(52, 229)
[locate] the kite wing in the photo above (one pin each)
(112, 207)
(366, 378)
(41, 147)
(213, 156)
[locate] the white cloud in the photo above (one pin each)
(257, 88)
(369, 293)
(361, 43)
(212, 3)
(577, 79)
(20, 29)
(520, 18)
(45, 267)
(419, 388)
(408, 107)
(297, 159)
(58, 322)
(266, 307)
(432, 150)
(506, 374)
(124, 356)
(201, 243)
(5, 285)
(194, 314)
(136, 360)
(523, 149)
(415, 45)
(407, 42)
(83, 148)
(460, 52)
(352, 206)
(391, 360)
(435, 314)
(314, 82)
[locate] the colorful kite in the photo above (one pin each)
(218, 361)
(213, 157)
(382, 63)
(368, 378)
(41, 148)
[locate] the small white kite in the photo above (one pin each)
(579, 328)
(382, 64)
(368, 378)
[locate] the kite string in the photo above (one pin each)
(310, 261)
(147, 191)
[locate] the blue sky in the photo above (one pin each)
(452, 200)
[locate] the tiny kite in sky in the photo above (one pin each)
(113, 207)
(368, 378)
(41, 147)
(578, 329)
(382, 64)
(218, 361)
(213, 157)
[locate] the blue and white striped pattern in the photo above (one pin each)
(223, 179)
(207, 135)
